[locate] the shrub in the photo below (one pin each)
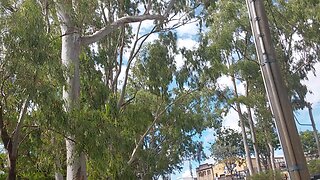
(267, 175)
(314, 166)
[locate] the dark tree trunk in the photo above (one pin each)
(12, 167)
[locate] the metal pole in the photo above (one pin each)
(277, 93)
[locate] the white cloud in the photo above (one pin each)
(184, 43)
(224, 81)
(188, 30)
(209, 161)
(179, 60)
(187, 43)
(313, 85)
(231, 120)
(186, 174)
(241, 88)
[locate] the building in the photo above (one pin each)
(205, 172)
(239, 169)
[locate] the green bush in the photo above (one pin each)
(267, 175)
(314, 166)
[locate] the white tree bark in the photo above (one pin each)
(271, 149)
(253, 133)
(71, 43)
(243, 129)
(70, 59)
(254, 140)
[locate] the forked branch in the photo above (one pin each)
(156, 119)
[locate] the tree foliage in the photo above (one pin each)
(308, 142)
(228, 148)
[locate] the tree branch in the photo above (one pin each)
(120, 22)
(63, 15)
(170, 6)
(157, 117)
(3, 130)
(132, 55)
(119, 65)
(16, 132)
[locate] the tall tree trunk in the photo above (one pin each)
(315, 131)
(253, 133)
(12, 165)
(254, 140)
(57, 163)
(243, 129)
(71, 43)
(271, 149)
(70, 59)
(57, 173)
(11, 144)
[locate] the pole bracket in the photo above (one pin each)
(294, 168)
(266, 59)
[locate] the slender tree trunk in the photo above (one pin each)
(268, 165)
(12, 166)
(11, 144)
(243, 130)
(70, 52)
(253, 133)
(271, 149)
(57, 174)
(254, 140)
(70, 58)
(315, 131)
(7, 143)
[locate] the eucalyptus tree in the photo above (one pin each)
(308, 143)
(28, 68)
(231, 44)
(152, 132)
(79, 30)
(229, 32)
(178, 114)
(227, 149)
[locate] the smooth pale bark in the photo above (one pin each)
(268, 165)
(70, 59)
(271, 149)
(71, 44)
(253, 133)
(57, 174)
(315, 131)
(254, 140)
(70, 53)
(243, 130)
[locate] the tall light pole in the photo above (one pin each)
(277, 93)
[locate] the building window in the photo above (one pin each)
(209, 172)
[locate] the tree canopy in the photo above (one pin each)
(85, 94)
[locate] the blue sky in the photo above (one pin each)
(187, 38)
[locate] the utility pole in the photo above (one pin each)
(315, 132)
(277, 93)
